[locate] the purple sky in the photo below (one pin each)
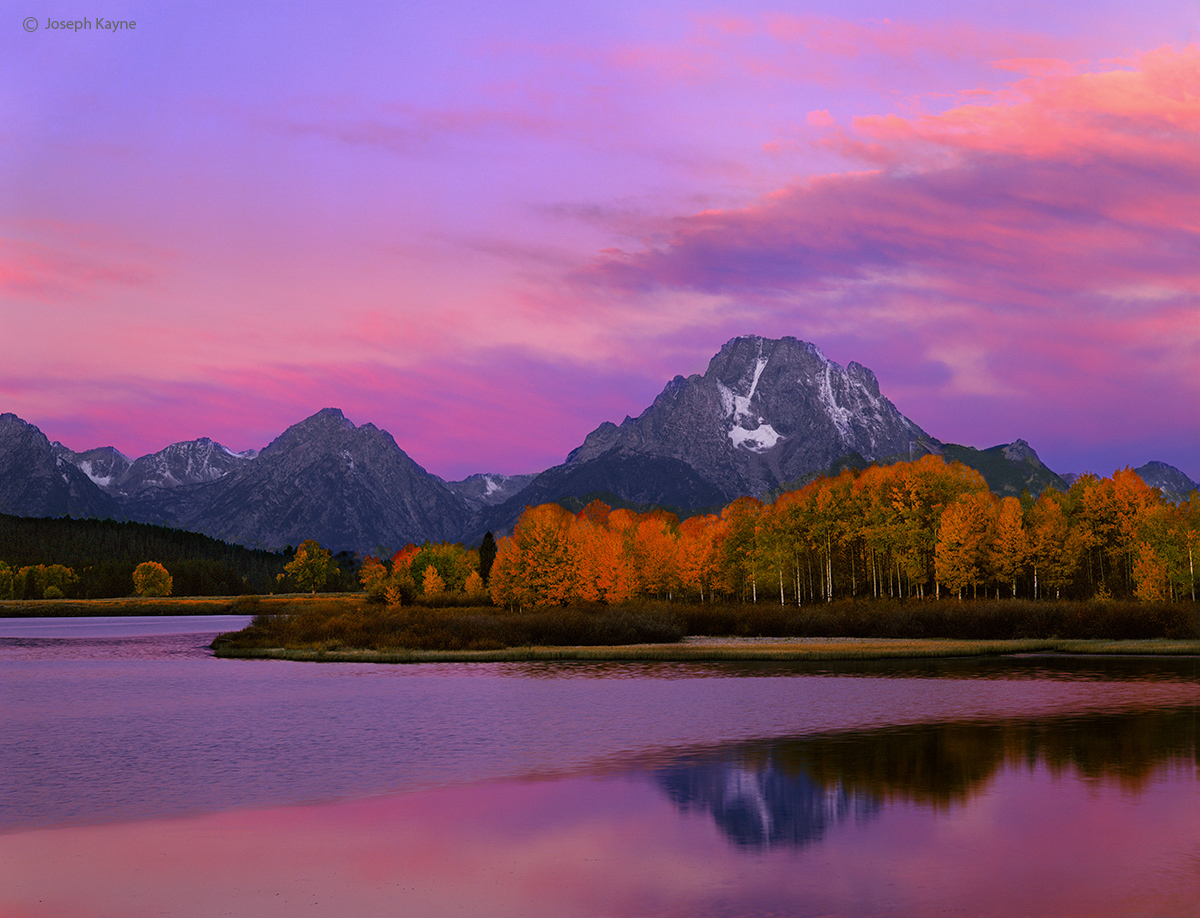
(487, 228)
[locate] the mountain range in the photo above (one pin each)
(767, 415)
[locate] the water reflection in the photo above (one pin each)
(1095, 816)
(763, 806)
(1043, 786)
(793, 792)
(1042, 667)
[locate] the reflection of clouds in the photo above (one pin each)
(763, 806)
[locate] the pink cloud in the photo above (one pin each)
(68, 263)
(1055, 224)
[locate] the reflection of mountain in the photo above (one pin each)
(762, 806)
(793, 792)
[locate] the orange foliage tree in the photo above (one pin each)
(899, 530)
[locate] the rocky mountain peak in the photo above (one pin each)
(1174, 484)
(38, 478)
(105, 465)
(348, 486)
(766, 411)
(185, 463)
(1020, 451)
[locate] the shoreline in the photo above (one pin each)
(702, 649)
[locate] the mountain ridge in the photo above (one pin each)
(767, 415)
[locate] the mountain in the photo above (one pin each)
(350, 488)
(1008, 469)
(1175, 485)
(104, 465)
(766, 412)
(619, 477)
(189, 462)
(487, 490)
(767, 415)
(37, 480)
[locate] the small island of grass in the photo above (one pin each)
(349, 629)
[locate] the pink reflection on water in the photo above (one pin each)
(1029, 843)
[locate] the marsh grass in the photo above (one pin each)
(91, 608)
(337, 624)
(342, 627)
(802, 650)
(982, 620)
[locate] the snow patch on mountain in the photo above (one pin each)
(102, 480)
(840, 415)
(759, 440)
(762, 436)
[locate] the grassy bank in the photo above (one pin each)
(152, 605)
(337, 624)
(343, 625)
(702, 650)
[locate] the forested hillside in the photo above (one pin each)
(102, 555)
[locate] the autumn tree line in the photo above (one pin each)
(433, 572)
(923, 529)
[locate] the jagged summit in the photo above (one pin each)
(36, 479)
(350, 487)
(1174, 484)
(767, 414)
(766, 411)
(184, 463)
(488, 489)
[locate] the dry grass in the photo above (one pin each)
(171, 605)
(737, 651)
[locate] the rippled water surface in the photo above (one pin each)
(175, 783)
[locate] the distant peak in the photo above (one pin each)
(329, 416)
(1020, 451)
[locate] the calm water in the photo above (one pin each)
(142, 776)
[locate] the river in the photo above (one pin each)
(142, 776)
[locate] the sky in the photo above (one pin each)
(488, 227)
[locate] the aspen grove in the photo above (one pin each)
(923, 529)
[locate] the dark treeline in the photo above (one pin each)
(102, 555)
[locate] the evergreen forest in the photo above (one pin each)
(95, 559)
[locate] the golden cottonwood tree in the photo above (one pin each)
(432, 583)
(373, 575)
(152, 579)
(534, 565)
(312, 566)
(699, 560)
(1010, 550)
(965, 535)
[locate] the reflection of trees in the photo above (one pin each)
(792, 792)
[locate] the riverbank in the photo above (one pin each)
(704, 649)
(338, 624)
(169, 605)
